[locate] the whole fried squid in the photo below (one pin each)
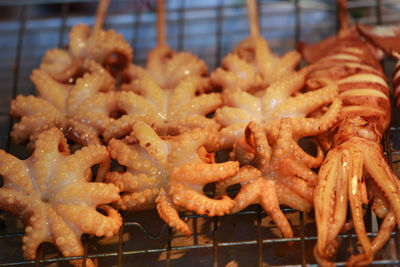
(355, 155)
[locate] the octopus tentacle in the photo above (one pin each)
(87, 86)
(309, 160)
(129, 181)
(49, 89)
(168, 212)
(60, 64)
(132, 158)
(293, 198)
(200, 105)
(262, 154)
(136, 201)
(227, 79)
(202, 173)
(304, 104)
(228, 136)
(243, 100)
(245, 174)
(89, 220)
(288, 62)
(249, 193)
(30, 126)
(149, 90)
(283, 88)
(283, 154)
(185, 124)
(189, 87)
(93, 193)
(31, 105)
(11, 167)
(303, 127)
(97, 111)
(230, 117)
(301, 187)
(151, 142)
(81, 160)
(269, 202)
(199, 174)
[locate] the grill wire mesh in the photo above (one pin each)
(209, 29)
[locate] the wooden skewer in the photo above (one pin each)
(343, 19)
(100, 15)
(161, 34)
(253, 18)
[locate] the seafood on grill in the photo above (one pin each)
(252, 65)
(164, 66)
(167, 111)
(354, 151)
(278, 170)
(169, 172)
(386, 38)
(52, 193)
(281, 99)
(108, 49)
(56, 105)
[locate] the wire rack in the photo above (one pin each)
(209, 29)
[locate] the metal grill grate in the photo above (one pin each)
(209, 29)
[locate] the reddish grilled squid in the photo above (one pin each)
(386, 38)
(354, 144)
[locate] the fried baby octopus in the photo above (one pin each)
(56, 105)
(108, 48)
(252, 66)
(166, 67)
(167, 111)
(281, 99)
(170, 172)
(279, 170)
(51, 193)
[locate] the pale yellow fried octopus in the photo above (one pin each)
(281, 99)
(164, 66)
(252, 66)
(106, 47)
(279, 171)
(64, 68)
(52, 194)
(56, 105)
(168, 111)
(89, 50)
(170, 171)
